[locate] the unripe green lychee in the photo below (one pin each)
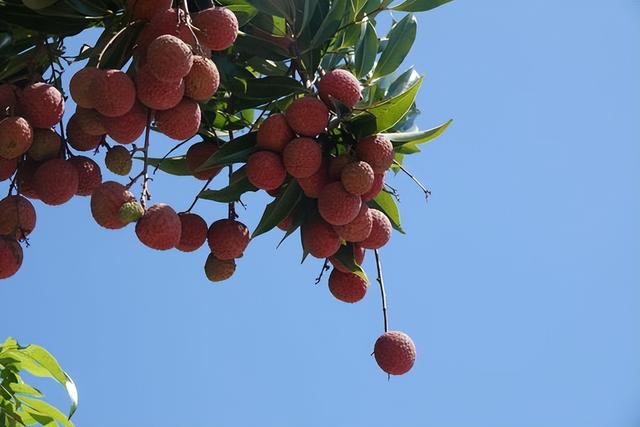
(46, 145)
(218, 270)
(395, 352)
(130, 212)
(118, 160)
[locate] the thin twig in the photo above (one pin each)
(383, 294)
(145, 195)
(193, 204)
(325, 267)
(169, 153)
(427, 192)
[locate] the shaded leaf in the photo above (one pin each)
(172, 165)
(236, 151)
(346, 257)
(419, 5)
(401, 38)
(386, 203)
(279, 209)
(233, 192)
(367, 50)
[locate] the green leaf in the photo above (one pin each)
(281, 8)
(279, 209)
(346, 257)
(269, 88)
(172, 165)
(387, 204)
(330, 25)
(45, 409)
(407, 142)
(389, 112)
(367, 50)
(25, 389)
(244, 12)
(401, 38)
(419, 5)
(233, 192)
(237, 150)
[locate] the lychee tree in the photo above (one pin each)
(303, 99)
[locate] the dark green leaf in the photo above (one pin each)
(171, 165)
(386, 203)
(346, 257)
(233, 192)
(401, 38)
(330, 25)
(279, 209)
(367, 50)
(419, 5)
(407, 142)
(235, 151)
(269, 88)
(389, 112)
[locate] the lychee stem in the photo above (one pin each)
(232, 205)
(111, 42)
(195, 201)
(427, 192)
(325, 267)
(145, 176)
(383, 293)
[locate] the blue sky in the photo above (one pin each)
(518, 281)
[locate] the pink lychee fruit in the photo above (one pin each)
(274, 133)
(265, 170)
(203, 80)
(376, 187)
(16, 136)
(228, 239)
(80, 86)
(130, 126)
(308, 116)
(7, 168)
(194, 232)
(10, 257)
(380, 231)
(147, 9)
(337, 206)
(347, 287)
(395, 352)
(336, 164)
(56, 182)
(89, 175)
(42, 105)
(376, 150)
(159, 228)
(106, 201)
(156, 94)
(78, 138)
(168, 21)
(357, 178)
(319, 238)
(341, 85)
(46, 145)
(180, 122)
(218, 28)
(113, 92)
(302, 157)
(313, 185)
(90, 121)
(359, 229)
(197, 155)
(24, 178)
(17, 217)
(169, 59)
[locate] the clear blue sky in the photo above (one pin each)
(518, 282)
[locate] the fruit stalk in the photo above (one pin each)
(383, 293)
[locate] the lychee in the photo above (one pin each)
(302, 157)
(147, 9)
(169, 21)
(7, 168)
(358, 229)
(169, 59)
(337, 206)
(46, 145)
(395, 352)
(130, 212)
(80, 86)
(8, 98)
(10, 257)
(90, 121)
(308, 116)
(127, 128)
(218, 270)
(376, 150)
(56, 181)
(319, 238)
(197, 155)
(78, 138)
(24, 178)
(89, 175)
(358, 256)
(113, 93)
(265, 170)
(274, 133)
(228, 239)
(159, 228)
(17, 217)
(357, 178)
(16, 136)
(218, 28)
(340, 85)
(118, 160)
(106, 201)
(376, 187)
(194, 232)
(203, 80)
(313, 185)
(180, 122)
(42, 105)
(156, 94)
(380, 231)
(336, 164)
(347, 287)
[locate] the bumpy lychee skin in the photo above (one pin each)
(10, 257)
(274, 133)
(336, 164)
(80, 86)
(194, 232)
(8, 97)
(89, 175)
(46, 145)
(169, 21)
(147, 9)
(156, 94)
(313, 185)
(376, 150)
(127, 128)
(106, 201)
(169, 58)
(56, 182)
(337, 206)
(376, 187)
(130, 212)
(395, 352)
(380, 231)
(17, 217)
(24, 178)
(218, 270)
(359, 229)
(78, 138)
(347, 287)
(180, 122)
(203, 80)
(16, 136)
(341, 85)
(218, 28)
(308, 116)
(197, 155)
(319, 238)
(42, 105)
(228, 239)
(357, 178)
(7, 168)
(90, 121)
(358, 256)
(118, 160)
(113, 93)
(302, 157)
(265, 170)
(159, 228)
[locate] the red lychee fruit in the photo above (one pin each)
(89, 175)
(56, 182)
(302, 157)
(357, 178)
(180, 122)
(80, 86)
(218, 28)
(113, 93)
(90, 121)
(358, 229)
(147, 9)
(24, 178)
(308, 116)
(313, 185)
(16, 136)
(8, 98)
(130, 126)
(169, 21)
(46, 145)
(380, 231)
(265, 170)
(42, 105)
(336, 164)
(228, 239)
(395, 352)
(274, 133)
(106, 201)
(203, 80)
(7, 168)
(197, 155)
(118, 160)
(10, 257)
(347, 287)
(337, 206)
(218, 270)
(376, 150)
(17, 217)
(194, 232)
(319, 238)
(159, 228)
(169, 59)
(78, 138)
(156, 94)
(340, 85)
(358, 256)
(376, 187)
